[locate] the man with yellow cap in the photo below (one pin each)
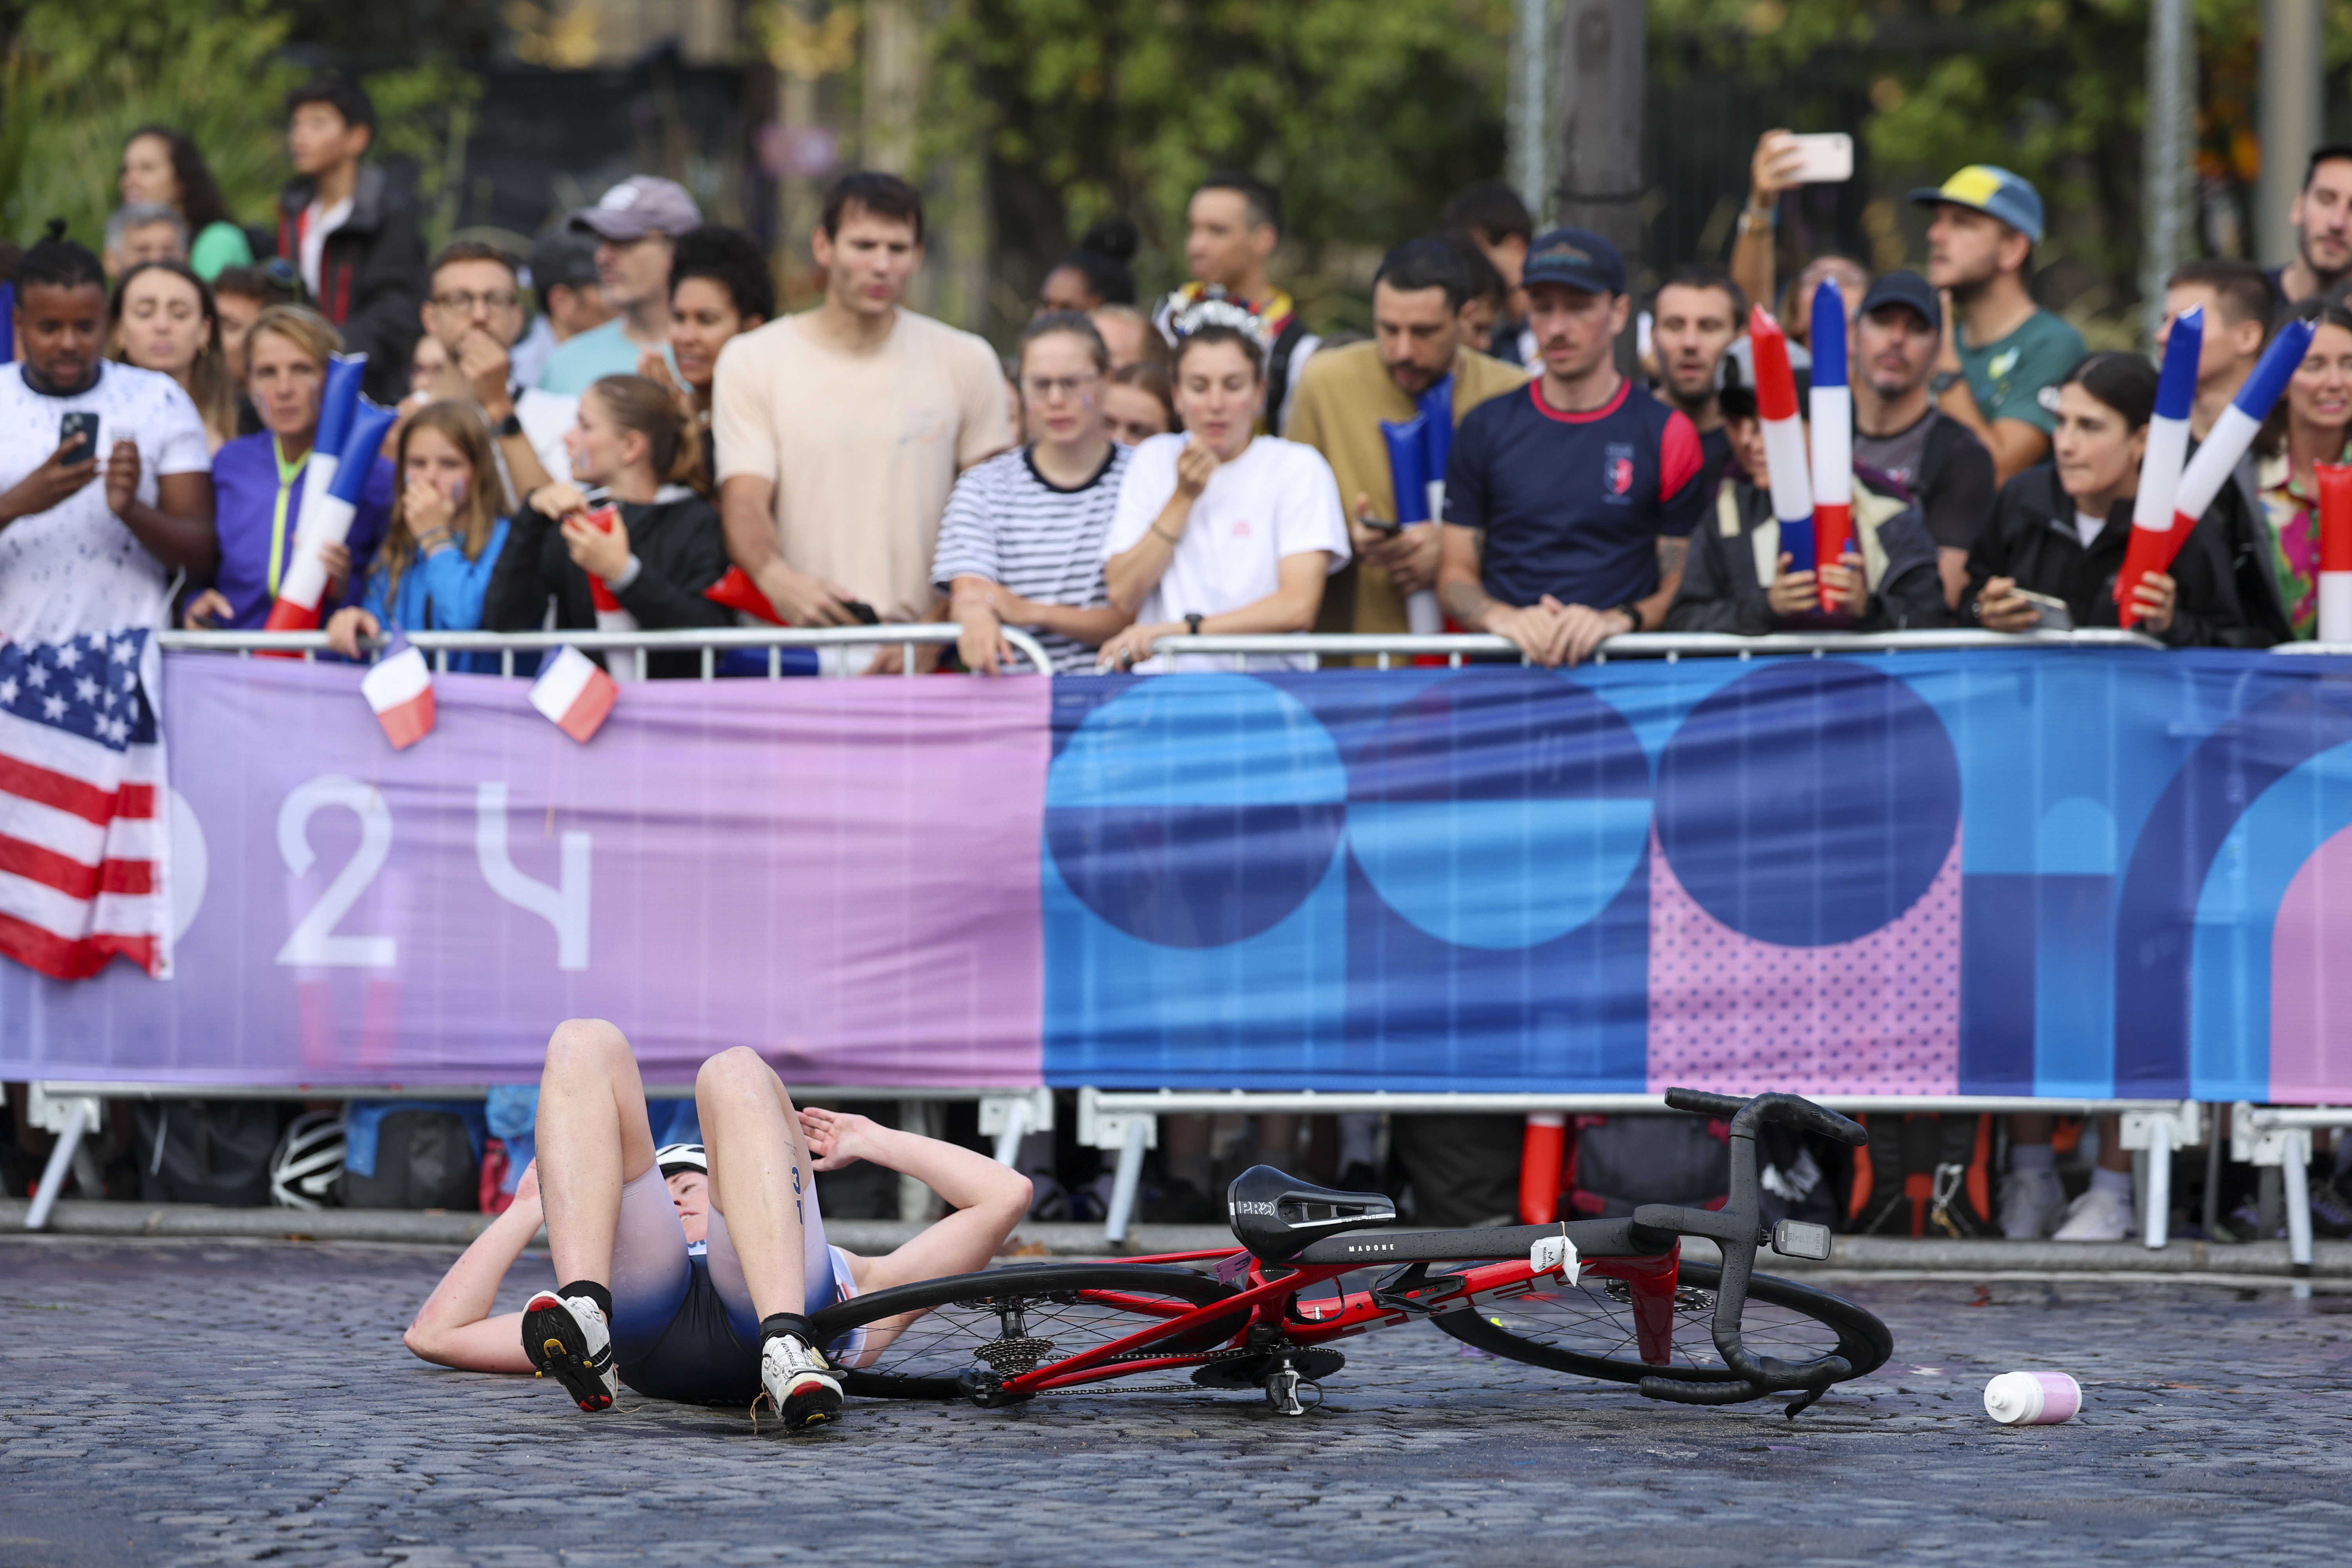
(2001, 351)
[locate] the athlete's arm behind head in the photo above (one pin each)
(989, 1199)
(454, 1327)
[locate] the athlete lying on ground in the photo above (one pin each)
(644, 1300)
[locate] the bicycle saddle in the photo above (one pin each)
(1276, 1216)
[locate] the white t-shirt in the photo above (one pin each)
(1277, 499)
(77, 568)
(316, 225)
(2087, 527)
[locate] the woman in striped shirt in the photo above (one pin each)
(1022, 542)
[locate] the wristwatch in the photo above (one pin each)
(509, 426)
(1943, 381)
(1193, 624)
(1632, 612)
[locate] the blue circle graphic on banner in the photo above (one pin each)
(1810, 802)
(1500, 809)
(1196, 813)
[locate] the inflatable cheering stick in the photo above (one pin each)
(304, 588)
(1832, 401)
(2152, 550)
(623, 664)
(2167, 444)
(1784, 437)
(2335, 552)
(1422, 617)
(1408, 445)
(736, 591)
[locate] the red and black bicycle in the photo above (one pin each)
(1603, 1298)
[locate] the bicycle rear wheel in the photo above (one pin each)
(930, 1340)
(1587, 1328)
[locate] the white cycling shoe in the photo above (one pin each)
(801, 1386)
(2097, 1216)
(569, 1336)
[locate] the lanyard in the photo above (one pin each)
(286, 474)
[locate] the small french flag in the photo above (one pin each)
(1784, 436)
(736, 591)
(1832, 401)
(574, 694)
(2166, 454)
(2152, 550)
(2335, 551)
(399, 689)
(624, 664)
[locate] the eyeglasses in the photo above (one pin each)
(466, 304)
(1043, 388)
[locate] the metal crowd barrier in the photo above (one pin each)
(711, 641)
(1458, 646)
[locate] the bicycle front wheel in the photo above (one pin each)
(933, 1339)
(1587, 1328)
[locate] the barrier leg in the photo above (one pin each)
(1131, 1173)
(1008, 1141)
(2158, 1214)
(53, 1174)
(1540, 1148)
(2298, 1200)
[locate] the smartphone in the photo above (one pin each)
(2054, 616)
(79, 427)
(864, 612)
(1382, 524)
(1826, 158)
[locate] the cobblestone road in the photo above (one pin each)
(209, 1403)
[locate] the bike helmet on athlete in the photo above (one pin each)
(677, 1159)
(309, 1157)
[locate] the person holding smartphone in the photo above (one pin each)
(2060, 529)
(105, 485)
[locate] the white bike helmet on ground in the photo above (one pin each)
(309, 1157)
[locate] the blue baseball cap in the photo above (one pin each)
(1576, 257)
(1992, 190)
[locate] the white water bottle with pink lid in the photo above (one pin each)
(2032, 1399)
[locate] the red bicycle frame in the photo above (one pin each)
(1272, 1306)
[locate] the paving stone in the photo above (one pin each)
(202, 1402)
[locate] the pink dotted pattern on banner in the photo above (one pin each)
(2311, 994)
(1880, 1014)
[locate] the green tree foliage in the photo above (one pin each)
(1367, 114)
(81, 75)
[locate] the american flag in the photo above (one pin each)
(82, 806)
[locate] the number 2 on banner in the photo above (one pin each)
(314, 941)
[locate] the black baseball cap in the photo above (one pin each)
(1905, 289)
(1576, 257)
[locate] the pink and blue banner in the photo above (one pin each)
(2029, 872)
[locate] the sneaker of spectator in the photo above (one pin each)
(2331, 1211)
(2321, 216)
(1494, 216)
(562, 274)
(1419, 296)
(348, 233)
(2033, 1202)
(1231, 228)
(258, 478)
(162, 318)
(637, 225)
(163, 164)
(2103, 1213)
(1220, 529)
(239, 296)
(1021, 543)
(144, 231)
(1097, 273)
(115, 524)
(1899, 431)
(2000, 349)
(719, 289)
(832, 498)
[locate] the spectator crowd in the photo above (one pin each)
(1204, 463)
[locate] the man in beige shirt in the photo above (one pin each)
(1418, 341)
(841, 430)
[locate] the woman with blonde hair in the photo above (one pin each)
(444, 540)
(162, 318)
(635, 449)
(257, 478)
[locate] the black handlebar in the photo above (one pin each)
(1791, 1109)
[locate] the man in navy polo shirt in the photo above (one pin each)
(1569, 506)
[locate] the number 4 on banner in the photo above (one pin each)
(564, 907)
